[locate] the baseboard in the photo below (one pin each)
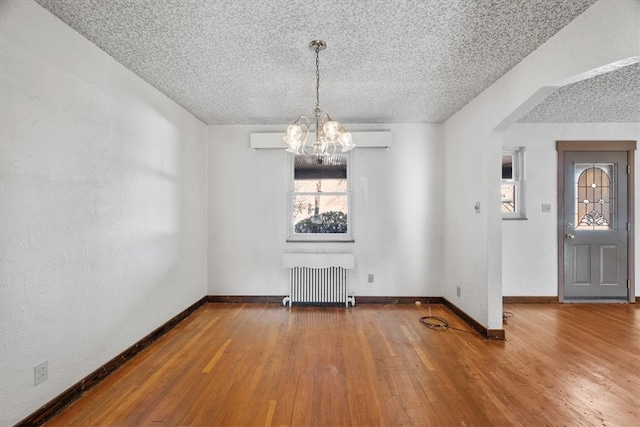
(245, 299)
(490, 334)
(46, 412)
(541, 300)
(397, 300)
(531, 300)
(266, 299)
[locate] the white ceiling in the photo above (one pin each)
(248, 61)
(612, 97)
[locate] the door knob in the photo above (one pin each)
(570, 236)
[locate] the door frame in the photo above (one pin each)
(576, 146)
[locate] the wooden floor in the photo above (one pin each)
(265, 365)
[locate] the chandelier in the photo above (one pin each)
(330, 134)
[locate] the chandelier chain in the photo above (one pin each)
(317, 76)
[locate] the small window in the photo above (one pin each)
(320, 200)
(513, 206)
(595, 196)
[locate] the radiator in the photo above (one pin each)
(319, 285)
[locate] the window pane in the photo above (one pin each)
(320, 167)
(508, 198)
(595, 201)
(320, 213)
(320, 185)
(507, 166)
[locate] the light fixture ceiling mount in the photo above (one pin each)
(319, 45)
(330, 135)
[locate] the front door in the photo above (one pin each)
(594, 225)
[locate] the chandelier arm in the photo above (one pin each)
(304, 122)
(306, 151)
(303, 117)
(335, 148)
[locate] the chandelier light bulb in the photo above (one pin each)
(331, 129)
(293, 143)
(346, 141)
(294, 131)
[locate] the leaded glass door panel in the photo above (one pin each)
(595, 225)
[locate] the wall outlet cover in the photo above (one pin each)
(41, 373)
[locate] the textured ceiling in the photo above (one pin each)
(248, 61)
(608, 98)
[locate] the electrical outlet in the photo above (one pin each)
(370, 278)
(41, 373)
(546, 207)
(458, 291)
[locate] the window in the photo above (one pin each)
(513, 206)
(319, 199)
(595, 196)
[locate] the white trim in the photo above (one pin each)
(369, 139)
(319, 260)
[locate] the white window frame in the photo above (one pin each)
(319, 237)
(518, 181)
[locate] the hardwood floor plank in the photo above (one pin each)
(376, 365)
(270, 412)
(417, 348)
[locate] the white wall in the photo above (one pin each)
(529, 248)
(398, 214)
(102, 208)
(606, 33)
